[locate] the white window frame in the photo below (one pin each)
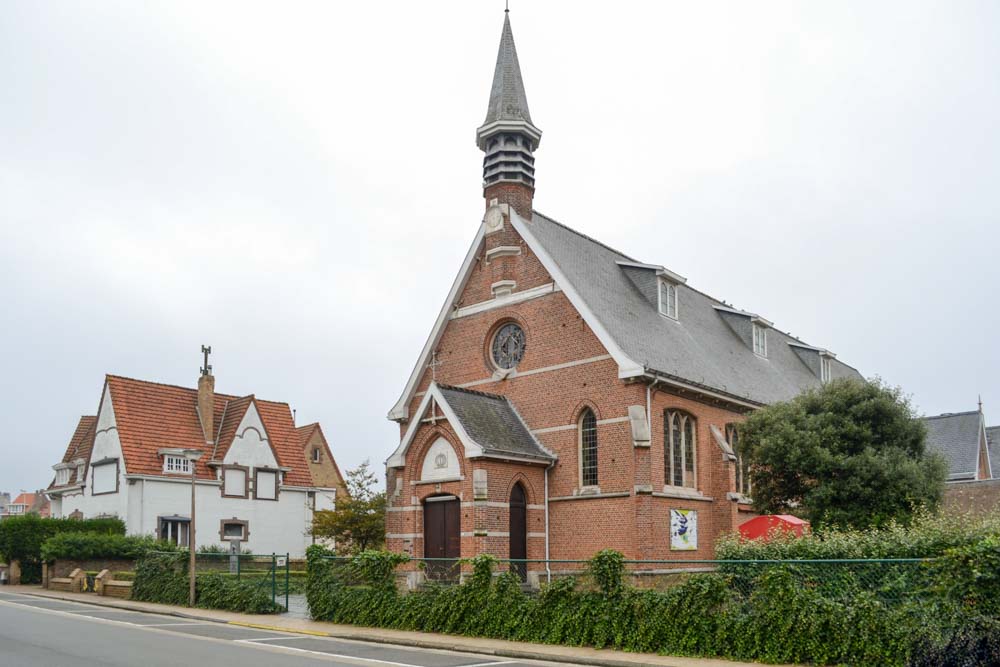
(759, 340)
(176, 465)
(667, 307)
(683, 418)
(825, 368)
(62, 476)
(317, 455)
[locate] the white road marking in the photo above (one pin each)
(336, 655)
(489, 664)
(268, 639)
(163, 625)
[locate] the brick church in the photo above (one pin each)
(572, 398)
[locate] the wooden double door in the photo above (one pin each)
(442, 536)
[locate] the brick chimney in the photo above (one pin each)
(507, 136)
(206, 398)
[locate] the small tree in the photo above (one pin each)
(358, 522)
(850, 454)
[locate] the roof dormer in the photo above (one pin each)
(751, 328)
(658, 285)
(818, 360)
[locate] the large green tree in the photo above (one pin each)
(358, 521)
(850, 454)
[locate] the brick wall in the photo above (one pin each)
(977, 497)
(565, 370)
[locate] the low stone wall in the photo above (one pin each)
(977, 497)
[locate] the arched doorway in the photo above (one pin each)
(519, 531)
(442, 536)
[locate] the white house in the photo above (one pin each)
(258, 479)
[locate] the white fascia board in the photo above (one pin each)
(627, 368)
(472, 448)
(400, 410)
(640, 265)
(735, 311)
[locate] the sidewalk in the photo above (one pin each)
(493, 647)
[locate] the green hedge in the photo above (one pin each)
(777, 619)
(21, 537)
(89, 546)
(927, 536)
(164, 578)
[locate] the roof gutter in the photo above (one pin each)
(673, 382)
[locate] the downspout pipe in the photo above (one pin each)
(649, 402)
(548, 568)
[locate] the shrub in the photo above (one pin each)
(970, 575)
(87, 546)
(21, 537)
(163, 578)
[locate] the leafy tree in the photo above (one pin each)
(849, 454)
(358, 521)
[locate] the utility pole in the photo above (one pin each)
(192, 456)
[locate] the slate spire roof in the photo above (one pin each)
(507, 98)
(958, 436)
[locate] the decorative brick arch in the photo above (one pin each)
(584, 405)
(424, 443)
(529, 488)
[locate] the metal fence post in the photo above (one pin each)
(274, 566)
(288, 565)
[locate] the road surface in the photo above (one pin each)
(40, 632)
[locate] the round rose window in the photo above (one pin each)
(508, 346)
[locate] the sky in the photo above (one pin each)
(297, 183)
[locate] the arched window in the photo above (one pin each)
(588, 448)
(742, 463)
(680, 446)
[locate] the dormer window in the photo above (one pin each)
(759, 340)
(177, 464)
(668, 299)
(62, 476)
(824, 369)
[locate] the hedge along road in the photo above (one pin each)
(37, 632)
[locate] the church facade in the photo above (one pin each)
(572, 398)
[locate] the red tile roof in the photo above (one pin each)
(79, 447)
(26, 499)
(152, 416)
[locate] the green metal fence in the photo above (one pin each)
(270, 572)
(890, 580)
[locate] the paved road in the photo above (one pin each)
(39, 632)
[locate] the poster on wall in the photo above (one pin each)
(683, 530)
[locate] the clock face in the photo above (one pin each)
(508, 346)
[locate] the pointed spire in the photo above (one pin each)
(507, 98)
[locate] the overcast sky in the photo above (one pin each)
(297, 183)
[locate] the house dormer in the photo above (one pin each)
(818, 360)
(749, 327)
(658, 285)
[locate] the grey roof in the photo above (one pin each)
(993, 449)
(507, 98)
(706, 346)
(494, 423)
(956, 435)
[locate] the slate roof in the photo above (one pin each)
(153, 416)
(79, 447)
(993, 440)
(493, 422)
(507, 98)
(700, 347)
(956, 436)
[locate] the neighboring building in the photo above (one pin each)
(961, 437)
(4, 501)
(21, 505)
(993, 449)
(254, 482)
(571, 398)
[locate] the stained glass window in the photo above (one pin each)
(680, 445)
(588, 448)
(508, 346)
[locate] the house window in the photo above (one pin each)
(174, 529)
(265, 484)
(177, 464)
(588, 448)
(759, 340)
(680, 447)
(104, 477)
(668, 299)
(234, 481)
(234, 530)
(824, 368)
(316, 455)
(62, 476)
(79, 474)
(742, 462)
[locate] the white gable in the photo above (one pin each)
(106, 442)
(441, 462)
(250, 446)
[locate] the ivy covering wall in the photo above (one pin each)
(779, 617)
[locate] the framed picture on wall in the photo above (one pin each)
(683, 530)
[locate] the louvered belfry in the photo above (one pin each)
(507, 136)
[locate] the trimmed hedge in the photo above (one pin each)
(21, 537)
(91, 546)
(777, 619)
(164, 578)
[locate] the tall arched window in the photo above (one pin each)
(680, 446)
(588, 448)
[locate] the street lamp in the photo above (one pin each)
(191, 455)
